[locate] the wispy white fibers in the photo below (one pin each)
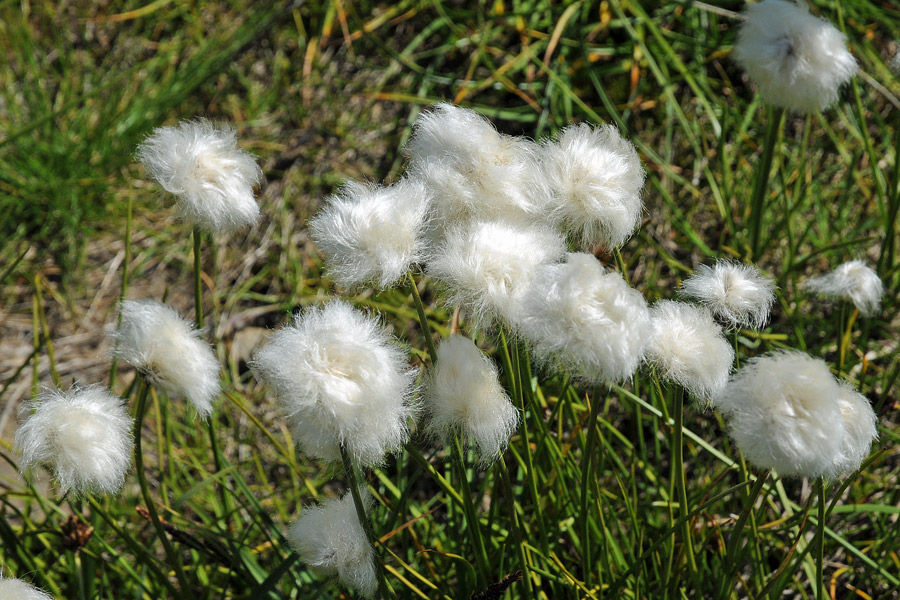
(737, 293)
(687, 346)
(595, 177)
(586, 319)
(370, 233)
(169, 352)
(784, 413)
(83, 435)
(340, 380)
(798, 60)
(465, 396)
(16, 589)
(859, 422)
(473, 171)
(486, 266)
(331, 540)
(854, 281)
(201, 164)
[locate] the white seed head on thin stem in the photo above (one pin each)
(82, 435)
(595, 178)
(783, 413)
(687, 346)
(487, 266)
(371, 234)
(16, 589)
(169, 351)
(340, 379)
(201, 164)
(737, 293)
(330, 539)
(586, 319)
(464, 396)
(854, 281)
(798, 61)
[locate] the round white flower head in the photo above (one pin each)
(687, 346)
(371, 234)
(202, 165)
(859, 423)
(473, 171)
(331, 540)
(784, 414)
(83, 435)
(465, 396)
(852, 280)
(16, 589)
(799, 61)
(585, 318)
(340, 380)
(487, 266)
(168, 351)
(738, 294)
(595, 177)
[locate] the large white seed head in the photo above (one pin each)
(487, 266)
(201, 164)
(371, 234)
(687, 346)
(854, 281)
(82, 435)
(169, 351)
(464, 396)
(340, 380)
(860, 425)
(595, 178)
(473, 171)
(737, 293)
(798, 61)
(588, 320)
(330, 539)
(783, 414)
(16, 589)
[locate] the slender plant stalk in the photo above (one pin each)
(820, 541)
(761, 182)
(350, 468)
(423, 318)
(471, 516)
(198, 283)
(114, 367)
(680, 484)
(586, 464)
(517, 526)
(734, 540)
(145, 491)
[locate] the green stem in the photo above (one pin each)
(517, 526)
(820, 541)
(198, 284)
(114, 367)
(471, 516)
(734, 540)
(350, 468)
(145, 491)
(761, 182)
(423, 318)
(587, 461)
(678, 448)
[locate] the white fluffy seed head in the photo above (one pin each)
(169, 352)
(82, 435)
(737, 293)
(201, 164)
(16, 589)
(330, 539)
(486, 266)
(465, 396)
(784, 414)
(860, 425)
(585, 319)
(473, 171)
(854, 281)
(687, 346)
(798, 61)
(340, 380)
(595, 178)
(371, 234)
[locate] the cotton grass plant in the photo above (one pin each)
(564, 364)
